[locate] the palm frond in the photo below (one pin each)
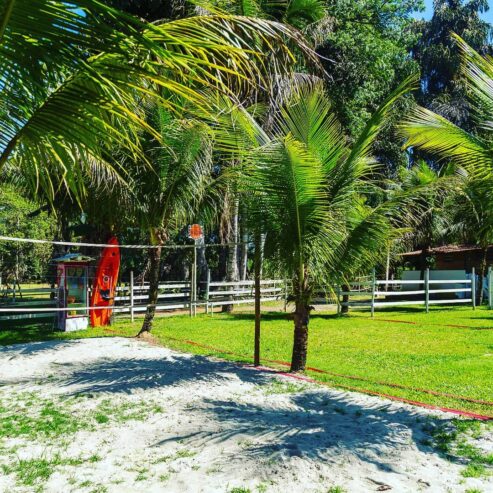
(72, 75)
(433, 133)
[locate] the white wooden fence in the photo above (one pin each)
(383, 293)
(179, 295)
(236, 293)
(30, 303)
(36, 303)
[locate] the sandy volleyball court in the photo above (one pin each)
(120, 415)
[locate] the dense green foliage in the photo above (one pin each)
(21, 218)
(439, 57)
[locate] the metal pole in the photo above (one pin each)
(195, 278)
(132, 317)
(373, 285)
(190, 291)
(427, 290)
(257, 283)
(473, 288)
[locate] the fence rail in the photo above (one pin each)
(425, 289)
(27, 304)
(37, 303)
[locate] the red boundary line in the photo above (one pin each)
(365, 391)
(454, 326)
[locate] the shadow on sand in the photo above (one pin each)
(316, 424)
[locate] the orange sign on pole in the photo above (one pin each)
(195, 231)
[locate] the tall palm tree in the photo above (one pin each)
(72, 75)
(311, 189)
(167, 194)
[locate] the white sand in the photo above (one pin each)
(220, 426)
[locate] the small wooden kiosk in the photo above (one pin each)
(72, 282)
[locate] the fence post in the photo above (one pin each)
(285, 295)
(338, 300)
(208, 280)
(373, 285)
(427, 290)
(490, 290)
(132, 317)
(473, 288)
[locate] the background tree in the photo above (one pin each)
(20, 217)
(165, 194)
(366, 54)
(439, 58)
(431, 227)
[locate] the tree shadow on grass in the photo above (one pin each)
(281, 316)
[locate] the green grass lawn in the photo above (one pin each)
(447, 350)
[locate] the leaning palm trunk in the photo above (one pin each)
(154, 271)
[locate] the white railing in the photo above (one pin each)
(377, 297)
(133, 298)
(242, 292)
(29, 303)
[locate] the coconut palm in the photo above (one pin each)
(433, 225)
(72, 75)
(472, 217)
(311, 188)
(471, 154)
(168, 194)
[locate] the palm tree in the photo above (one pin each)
(311, 191)
(472, 217)
(167, 193)
(72, 75)
(471, 154)
(433, 224)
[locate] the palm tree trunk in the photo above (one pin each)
(154, 270)
(300, 344)
(232, 265)
(244, 248)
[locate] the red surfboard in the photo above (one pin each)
(104, 287)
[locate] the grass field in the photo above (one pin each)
(447, 350)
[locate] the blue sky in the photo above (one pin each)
(429, 10)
